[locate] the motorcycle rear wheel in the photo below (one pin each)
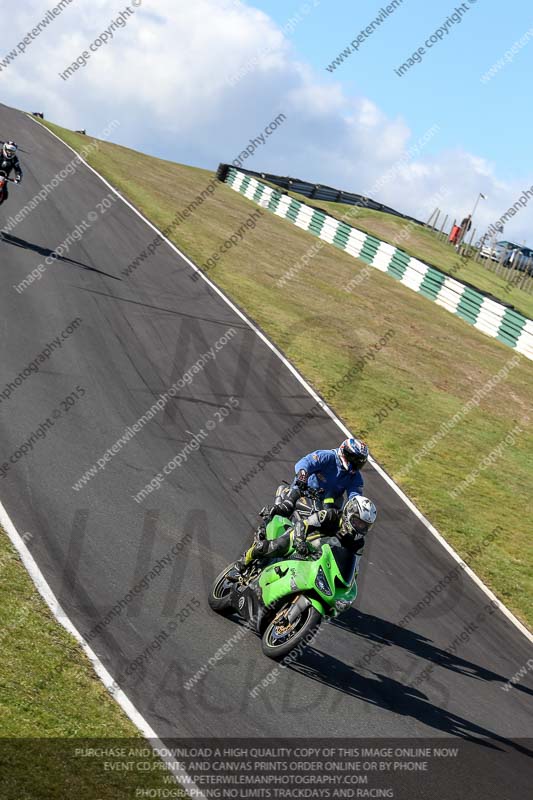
(219, 597)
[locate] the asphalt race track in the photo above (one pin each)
(137, 336)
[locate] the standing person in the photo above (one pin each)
(466, 225)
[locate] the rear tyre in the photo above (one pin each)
(219, 597)
(280, 637)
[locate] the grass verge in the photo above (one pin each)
(431, 367)
(51, 702)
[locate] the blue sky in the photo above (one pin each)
(494, 120)
(169, 78)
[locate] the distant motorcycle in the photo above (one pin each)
(3, 185)
(285, 599)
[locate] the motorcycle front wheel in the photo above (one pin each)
(282, 636)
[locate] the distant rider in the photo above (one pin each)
(9, 163)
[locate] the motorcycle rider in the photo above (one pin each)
(9, 162)
(333, 473)
(350, 529)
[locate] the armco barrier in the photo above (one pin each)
(485, 314)
(317, 191)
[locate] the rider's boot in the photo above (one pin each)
(257, 550)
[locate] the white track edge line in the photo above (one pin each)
(516, 622)
(58, 612)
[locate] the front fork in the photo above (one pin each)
(297, 608)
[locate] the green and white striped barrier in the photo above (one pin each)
(488, 316)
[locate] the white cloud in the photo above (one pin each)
(170, 77)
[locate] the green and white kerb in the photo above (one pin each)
(488, 316)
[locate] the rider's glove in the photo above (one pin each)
(301, 548)
(300, 544)
(301, 480)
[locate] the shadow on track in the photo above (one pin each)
(177, 312)
(46, 252)
(392, 695)
(385, 633)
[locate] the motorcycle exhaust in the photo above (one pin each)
(298, 608)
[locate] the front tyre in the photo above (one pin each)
(219, 597)
(282, 636)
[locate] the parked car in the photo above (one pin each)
(511, 255)
(521, 258)
(496, 251)
(486, 251)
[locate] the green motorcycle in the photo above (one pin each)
(284, 599)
